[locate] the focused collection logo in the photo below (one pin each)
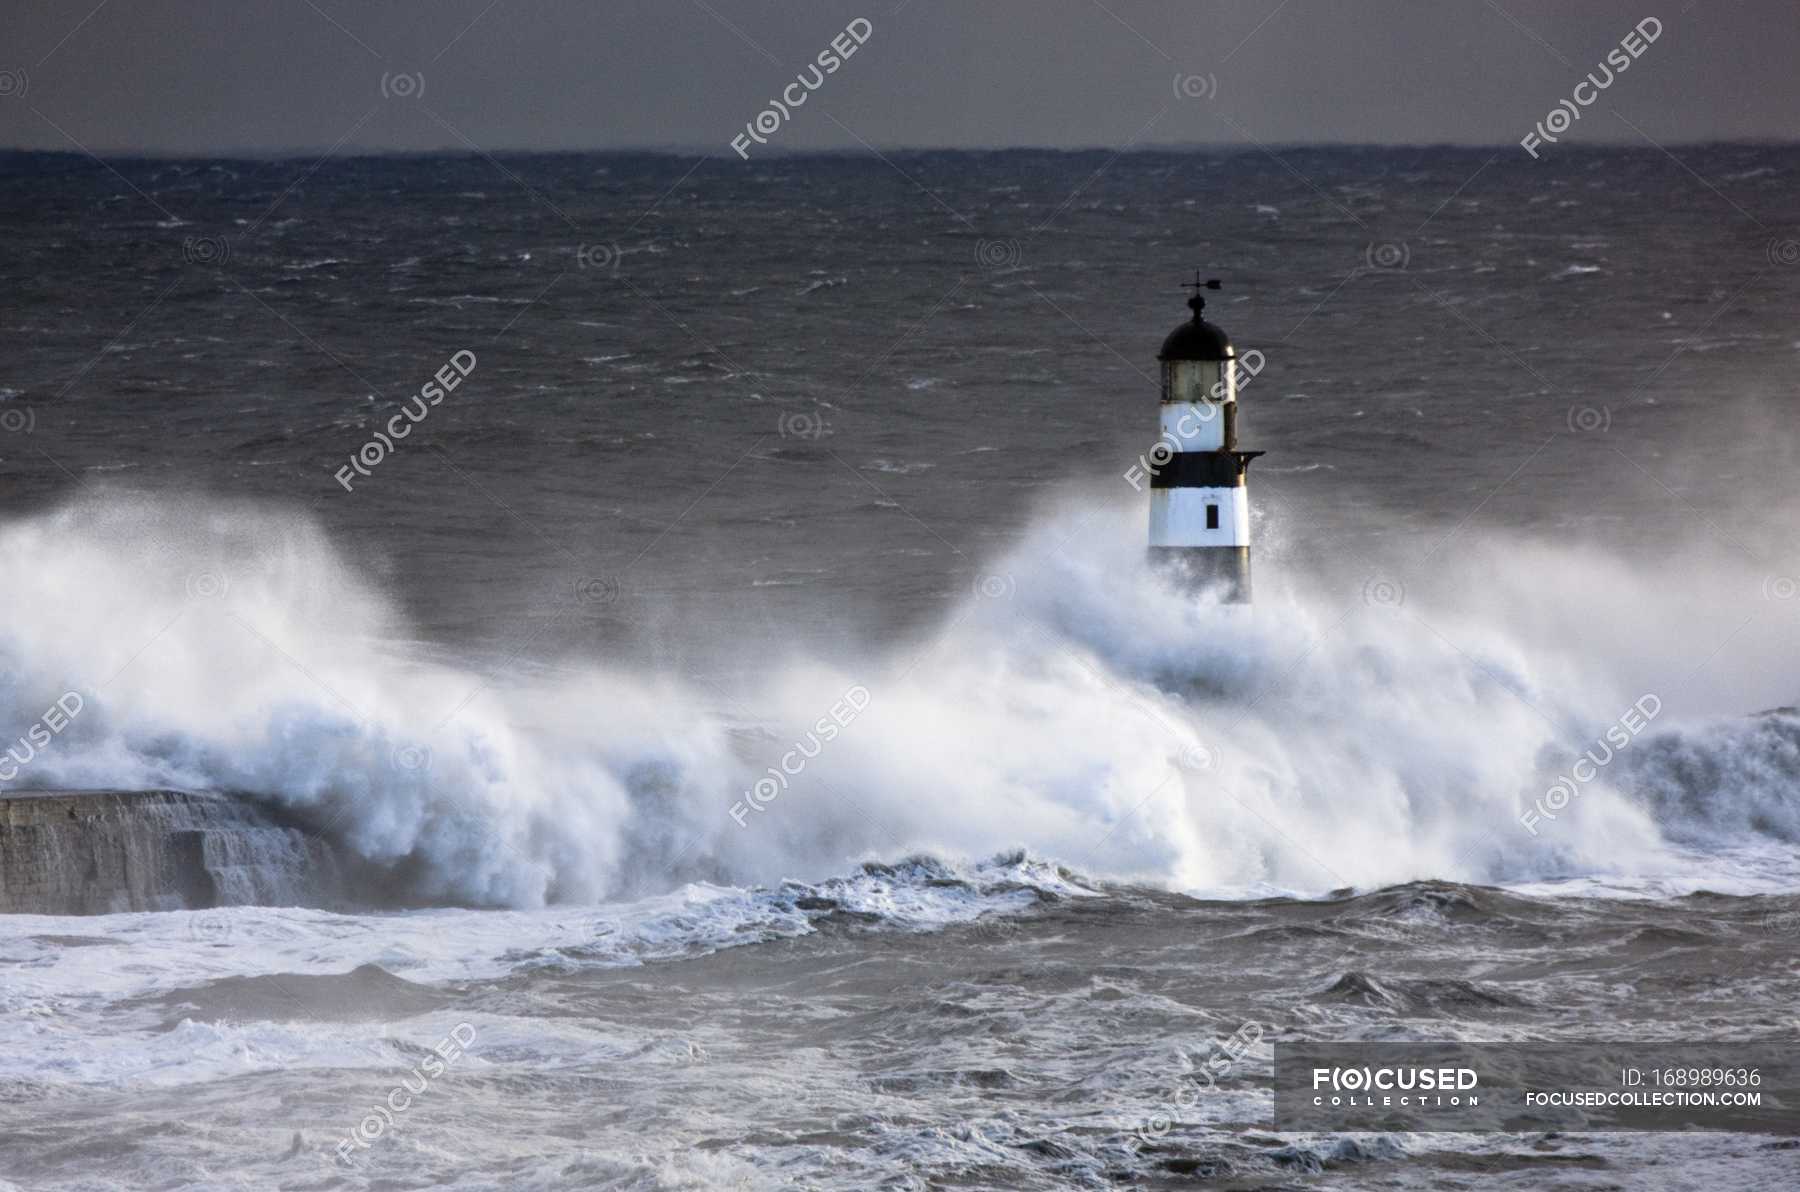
(1534, 1085)
(1396, 1087)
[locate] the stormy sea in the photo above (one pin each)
(734, 739)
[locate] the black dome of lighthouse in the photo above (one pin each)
(1197, 339)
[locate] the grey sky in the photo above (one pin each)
(295, 75)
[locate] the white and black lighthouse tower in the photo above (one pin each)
(1199, 505)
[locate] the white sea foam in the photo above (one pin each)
(1072, 704)
(49, 977)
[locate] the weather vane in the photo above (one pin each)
(1198, 302)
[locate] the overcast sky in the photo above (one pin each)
(208, 76)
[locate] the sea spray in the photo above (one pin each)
(825, 729)
(1352, 744)
(1587, 767)
(39, 736)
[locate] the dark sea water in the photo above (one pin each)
(743, 440)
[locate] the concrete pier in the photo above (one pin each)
(108, 851)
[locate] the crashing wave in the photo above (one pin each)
(1073, 706)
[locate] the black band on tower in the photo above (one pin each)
(1200, 469)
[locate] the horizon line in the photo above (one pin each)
(872, 152)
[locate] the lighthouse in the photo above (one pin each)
(1199, 505)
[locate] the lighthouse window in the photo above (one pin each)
(1212, 517)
